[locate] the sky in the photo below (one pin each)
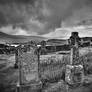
(48, 18)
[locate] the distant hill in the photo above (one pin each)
(57, 41)
(65, 41)
(6, 38)
(87, 38)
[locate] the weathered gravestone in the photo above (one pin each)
(28, 71)
(74, 75)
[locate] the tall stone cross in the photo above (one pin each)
(74, 43)
(74, 70)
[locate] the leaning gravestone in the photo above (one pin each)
(29, 76)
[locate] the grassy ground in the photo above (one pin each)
(9, 77)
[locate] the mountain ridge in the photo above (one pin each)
(7, 38)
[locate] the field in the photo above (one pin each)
(9, 75)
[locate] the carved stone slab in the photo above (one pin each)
(29, 66)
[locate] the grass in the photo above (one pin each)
(8, 75)
(52, 67)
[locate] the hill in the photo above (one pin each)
(87, 38)
(57, 41)
(6, 38)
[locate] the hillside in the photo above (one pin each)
(65, 41)
(87, 38)
(57, 41)
(6, 38)
(18, 38)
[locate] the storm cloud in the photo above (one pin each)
(43, 16)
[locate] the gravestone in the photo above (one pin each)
(28, 70)
(74, 75)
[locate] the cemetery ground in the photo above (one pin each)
(9, 77)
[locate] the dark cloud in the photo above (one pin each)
(43, 16)
(17, 1)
